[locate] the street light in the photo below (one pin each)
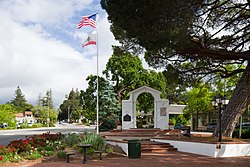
(220, 102)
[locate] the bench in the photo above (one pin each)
(99, 152)
(68, 154)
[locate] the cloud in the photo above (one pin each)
(47, 12)
(38, 58)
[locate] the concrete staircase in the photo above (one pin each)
(144, 135)
(155, 147)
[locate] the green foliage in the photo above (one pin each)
(124, 70)
(71, 106)
(47, 100)
(127, 73)
(14, 158)
(20, 102)
(198, 99)
(33, 156)
(181, 120)
(37, 125)
(42, 113)
(47, 153)
(197, 38)
(61, 154)
(92, 138)
(7, 115)
(109, 110)
(245, 133)
(71, 139)
(24, 126)
(49, 148)
(109, 149)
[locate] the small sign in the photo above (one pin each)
(127, 118)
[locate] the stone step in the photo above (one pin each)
(157, 150)
(156, 147)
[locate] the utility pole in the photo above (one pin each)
(68, 114)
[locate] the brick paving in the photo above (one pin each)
(172, 159)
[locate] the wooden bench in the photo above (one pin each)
(68, 154)
(99, 152)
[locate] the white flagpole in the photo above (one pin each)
(97, 80)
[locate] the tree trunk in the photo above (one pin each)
(238, 103)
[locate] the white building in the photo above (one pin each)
(25, 117)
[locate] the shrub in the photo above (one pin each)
(109, 149)
(33, 156)
(11, 158)
(108, 125)
(51, 153)
(245, 133)
(61, 154)
(49, 148)
(47, 153)
(37, 125)
(24, 126)
(94, 139)
(71, 139)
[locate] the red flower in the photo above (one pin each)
(1, 158)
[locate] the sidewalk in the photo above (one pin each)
(172, 159)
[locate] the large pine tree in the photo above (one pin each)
(19, 101)
(197, 38)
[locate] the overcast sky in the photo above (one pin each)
(40, 47)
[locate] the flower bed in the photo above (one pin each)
(30, 148)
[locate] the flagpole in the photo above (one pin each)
(97, 80)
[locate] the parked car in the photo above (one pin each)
(211, 126)
(178, 126)
(244, 125)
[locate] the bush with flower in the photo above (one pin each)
(30, 148)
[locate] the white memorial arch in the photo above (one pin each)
(162, 109)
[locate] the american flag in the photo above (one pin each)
(88, 20)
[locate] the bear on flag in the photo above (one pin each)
(91, 40)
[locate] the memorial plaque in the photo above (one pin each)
(127, 118)
(163, 112)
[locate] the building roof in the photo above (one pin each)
(27, 112)
(19, 115)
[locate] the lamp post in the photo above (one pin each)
(220, 102)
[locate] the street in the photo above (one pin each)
(7, 135)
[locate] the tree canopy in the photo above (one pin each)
(19, 101)
(197, 38)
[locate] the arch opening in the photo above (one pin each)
(145, 110)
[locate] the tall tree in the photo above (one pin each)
(47, 99)
(42, 113)
(124, 70)
(109, 107)
(71, 107)
(109, 110)
(19, 101)
(198, 38)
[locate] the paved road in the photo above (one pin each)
(8, 135)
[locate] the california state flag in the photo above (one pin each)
(91, 40)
